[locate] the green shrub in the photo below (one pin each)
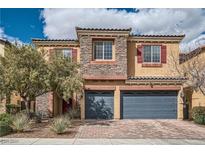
(5, 117)
(198, 114)
(4, 128)
(60, 124)
(12, 108)
(74, 113)
(20, 122)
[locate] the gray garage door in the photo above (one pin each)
(149, 105)
(99, 104)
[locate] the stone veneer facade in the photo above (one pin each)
(117, 68)
(44, 104)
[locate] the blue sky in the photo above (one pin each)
(24, 24)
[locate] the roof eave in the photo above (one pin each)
(175, 38)
(5, 41)
(102, 31)
(47, 42)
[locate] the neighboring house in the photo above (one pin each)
(14, 99)
(50, 104)
(197, 58)
(126, 76)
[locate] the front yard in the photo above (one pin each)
(120, 129)
(42, 130)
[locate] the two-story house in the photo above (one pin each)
(126, 76)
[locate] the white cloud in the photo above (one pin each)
(9, 38)
(61, 23)
(193, 44)
(1, 32)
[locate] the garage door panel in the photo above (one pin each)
(151, 105)
(99, 105)
(155, 116)
(147, 105)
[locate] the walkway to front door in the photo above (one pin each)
(141, 129)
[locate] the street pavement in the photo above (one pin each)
(78, 141)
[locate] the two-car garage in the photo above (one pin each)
(133, 105)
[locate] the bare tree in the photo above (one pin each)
(191, 66)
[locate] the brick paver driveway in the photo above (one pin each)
(141, 129)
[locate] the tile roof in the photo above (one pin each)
(104, 29)
(155, 78)
(4, 41)
(183, 57)
(157, 35)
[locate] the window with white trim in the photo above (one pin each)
(151, 54)
(67, 53)
(102, 50)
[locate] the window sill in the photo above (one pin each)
(152, 65)
(103, 62)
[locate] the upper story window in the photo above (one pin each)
(67, 53)
(151, 54)
(103, 50)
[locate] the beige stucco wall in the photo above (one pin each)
(180, 104)
(46, 51)
(57, 105)
(198, 99)
(117, 103)
(136, 69)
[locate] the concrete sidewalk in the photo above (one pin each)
(77, 141)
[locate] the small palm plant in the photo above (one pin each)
(60, 124)
(20, 122)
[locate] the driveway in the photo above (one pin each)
(123, 132)
(141, 129)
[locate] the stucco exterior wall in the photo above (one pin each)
(48, 49)
(57, 105)
(198, 99)
(136, 69)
